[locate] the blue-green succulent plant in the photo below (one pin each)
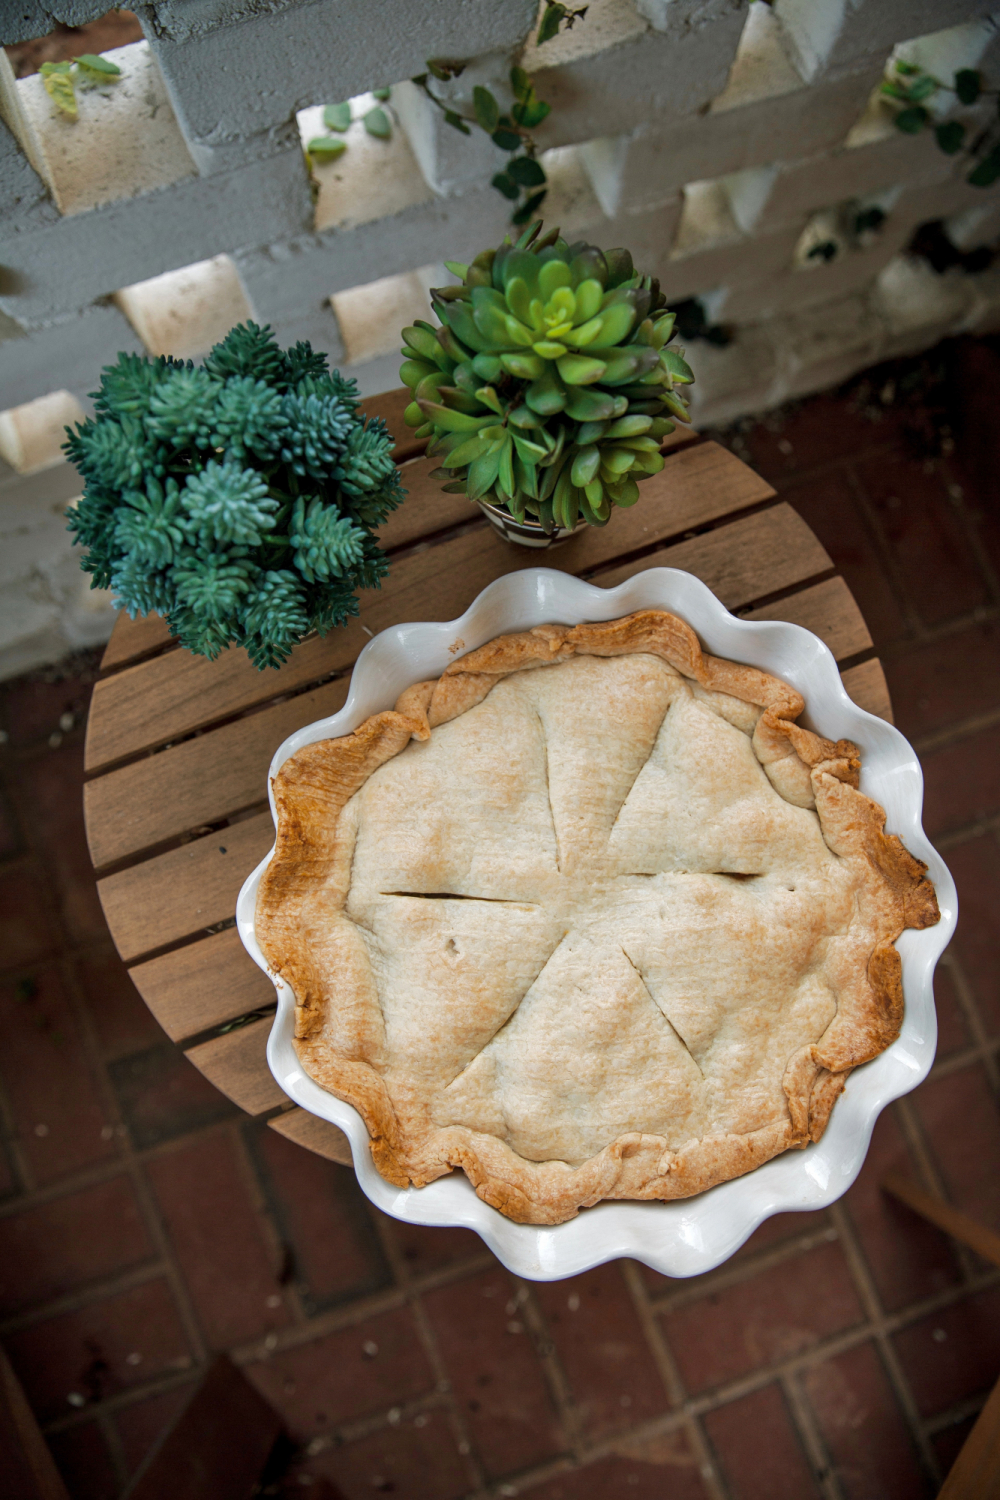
(239, 499)
(549, 386)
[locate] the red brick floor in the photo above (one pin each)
(145, 1223)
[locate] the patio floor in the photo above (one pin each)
(144, 1222)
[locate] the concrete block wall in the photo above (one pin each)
(718, 139)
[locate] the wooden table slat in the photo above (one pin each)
(223, 771)
(178, 894)
(427, 509)
(131, 639)
(743, 561)
(866, 684)
(321, 1136)
(158, 693)
(202, 985)
(237, 1064)
(159, 700)
(829, 610)
(200, 781)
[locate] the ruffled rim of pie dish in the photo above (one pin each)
(314, 785)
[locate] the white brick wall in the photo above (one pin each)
(704, 134)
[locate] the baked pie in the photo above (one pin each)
(588, 917)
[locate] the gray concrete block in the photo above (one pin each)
(123, 142)
(24, 198)
(678, 16)
(794, 289)
(823, 346)
(740, 262)
(655, 160)
(799, 187)
(743, 377)
(67, 355)
(23, 21)
(241, 80)
(284, 277)
(826, 38)
(449, 160)
(53, 270)
(918, 306)
(651, 76)
(184, 20)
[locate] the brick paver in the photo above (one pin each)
(144, 1222)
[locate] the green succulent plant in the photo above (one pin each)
(239, 499)
(549, 386)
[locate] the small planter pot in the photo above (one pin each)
(526, 533)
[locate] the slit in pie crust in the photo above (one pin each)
(588, 917)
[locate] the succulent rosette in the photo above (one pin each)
(549, 386)
(239, 499)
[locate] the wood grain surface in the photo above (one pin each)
(177, 894)
(154, 702)
(237, 1064)
(199, 781)
(315, 1134)
(178, 747)
(203, 985)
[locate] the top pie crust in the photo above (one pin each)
(589, 917)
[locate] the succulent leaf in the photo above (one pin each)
(193, 502)
(559, 384)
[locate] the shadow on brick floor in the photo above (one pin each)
(145, 1223)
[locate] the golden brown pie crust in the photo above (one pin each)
(330, 961)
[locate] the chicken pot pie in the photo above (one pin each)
(588, 917)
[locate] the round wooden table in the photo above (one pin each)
(178, 747)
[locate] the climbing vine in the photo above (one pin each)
(522, 180)
(911, 88)
(339, 118)
(62, 79)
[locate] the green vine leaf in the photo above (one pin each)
(912, 121)
(456, 121)
(504, 183)
(506, 139)
(57, 80)
(923, 88)
(98, 69)
(337, 116)
(529, 208)
(526, 172)
(555, 16)
(531, 112)
(326, 148)
(377, 124)
(510, 133)
(868, 220)
(487, 109)
(968, 85)
(950, 137)
(382, 94)
(550, 23)
(987, 171)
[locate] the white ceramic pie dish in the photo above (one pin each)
(687, 1236)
